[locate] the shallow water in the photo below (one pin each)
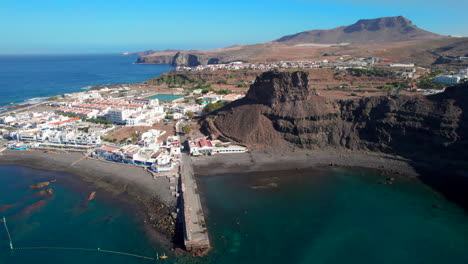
(64, 220)
(304, 216)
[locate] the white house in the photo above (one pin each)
(450, 79)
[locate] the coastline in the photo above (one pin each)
(449, 183)
(302, 159)
(149, 198)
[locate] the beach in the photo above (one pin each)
(152, 198)
(289, 160)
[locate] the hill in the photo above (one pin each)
(364, 31)
(393, 38)
(281, 111)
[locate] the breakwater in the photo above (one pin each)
(195, 233)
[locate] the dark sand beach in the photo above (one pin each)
(152, 198)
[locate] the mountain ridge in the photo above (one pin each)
(384, 29)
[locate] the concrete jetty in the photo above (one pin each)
(195, 233)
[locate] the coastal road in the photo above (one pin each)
(16, 110)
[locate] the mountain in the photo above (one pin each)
(390, 37)
(365, 31)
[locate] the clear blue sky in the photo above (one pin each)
(89, 26)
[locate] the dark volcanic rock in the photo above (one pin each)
(281, 110)
(275, 88)
(39, 185)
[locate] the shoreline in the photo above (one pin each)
(302, 159)
(449, 183)
(150, 199)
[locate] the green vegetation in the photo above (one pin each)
(171, 81)
(215, 106)
(242, 85)
(393, 88)
(428, 83)
(135, 137)
(110, 139)
(95, 121)
(186, 129)
(223, 91)
(169, 117)
(190, 114)
(199, 101)
(84, 129)
(366, 72)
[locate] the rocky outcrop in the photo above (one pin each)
(281, 111)
(39, 185)
(163, 59)
(179, 59)
(91, 196)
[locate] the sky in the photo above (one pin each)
(105, 26)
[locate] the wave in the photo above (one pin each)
(34, 100)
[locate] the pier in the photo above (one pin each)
(195, 232)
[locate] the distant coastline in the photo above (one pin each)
(22, 84)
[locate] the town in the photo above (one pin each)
(157, 136)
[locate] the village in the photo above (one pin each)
(158, 136)
(83, 121)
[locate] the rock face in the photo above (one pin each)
(385, 29)
(163, 59)
(281, 111)
(179, 59)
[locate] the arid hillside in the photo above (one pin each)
(282, 111)
(365, 31)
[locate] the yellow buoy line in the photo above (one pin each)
(163, 257)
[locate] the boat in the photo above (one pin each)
(164, 256)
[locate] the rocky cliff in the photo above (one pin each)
(280, 110)
(179, 59)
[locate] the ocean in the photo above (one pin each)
(30, 78)
(331, 216)
(66, 220)
(306, 216)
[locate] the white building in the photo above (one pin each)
(119, 116)
(402, 65)
(450, 79)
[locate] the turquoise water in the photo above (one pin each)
(64, 220)
(166, 97)
(305, 216)
(24, 77)
(330, 216)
